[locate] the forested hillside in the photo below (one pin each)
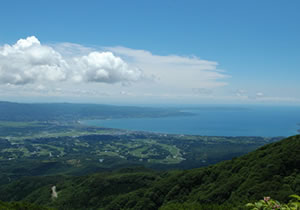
(272, 170)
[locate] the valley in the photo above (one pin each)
(49, 148)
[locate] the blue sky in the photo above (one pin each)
(245, 51)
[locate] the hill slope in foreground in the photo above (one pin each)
(272, 170)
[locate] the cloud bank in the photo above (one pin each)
(29, 68)
(28, 61)
(173, 70)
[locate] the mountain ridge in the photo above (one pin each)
(12, 111)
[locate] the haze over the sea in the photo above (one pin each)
(268, 121)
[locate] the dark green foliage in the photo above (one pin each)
(272, 170)
(21, 189)
(263, 172)
(101, 189)
(83, 192)
(21, 206)
(196, 206)
(266, 171)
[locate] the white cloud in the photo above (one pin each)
(175, 71)
(259, 94)
(241, 93)
(29, 67)
(103, 67)
(28, 61)
(71, 50)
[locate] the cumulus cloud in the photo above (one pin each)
(103, 67)
(28, 61)
(73, 70)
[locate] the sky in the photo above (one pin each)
(150, 52)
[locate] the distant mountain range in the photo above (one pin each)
(10, 111)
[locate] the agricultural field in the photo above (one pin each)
(48, 148)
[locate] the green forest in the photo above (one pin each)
(49, 160)
(272, 170)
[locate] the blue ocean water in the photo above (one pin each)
(217, 121)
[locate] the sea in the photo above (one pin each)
(266, 121)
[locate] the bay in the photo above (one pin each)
(265, 121)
